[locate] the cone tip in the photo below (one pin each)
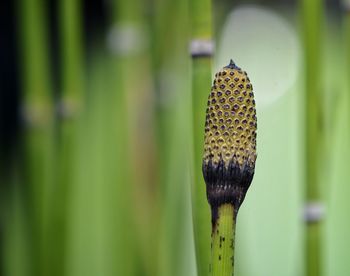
(232, 65)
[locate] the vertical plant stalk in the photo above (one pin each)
(38, 130)
(72, 56)
(312, 20)
(223, 241)
(228, 159)
(170, 35)
(131, 51)
(201, 50)
(346, 29)
(69, 111)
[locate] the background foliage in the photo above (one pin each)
(96, 151)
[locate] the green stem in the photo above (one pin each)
(223, 242)
(133, 94)
(38, 132)
(312, 21)
(71, 51)
(170, 35)
(346, 30)
(201, 17)
(200, 207)
(70, 106)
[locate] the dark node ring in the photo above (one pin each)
(226, 184)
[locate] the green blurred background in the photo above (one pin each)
(96, 135)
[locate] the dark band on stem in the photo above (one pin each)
(226, 184)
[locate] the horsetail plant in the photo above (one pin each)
(171, 118)
(131, 100)
(37, 115)
(228, 159)
(346, 30)
(70, 109)
(312, 20)
(201, 48)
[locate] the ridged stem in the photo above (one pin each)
(223, 242)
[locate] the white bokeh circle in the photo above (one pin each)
(265, 45)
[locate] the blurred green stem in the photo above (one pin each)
(38, 117)
(135, 114)
(201, 21)
(346, 27)
(170, 35)
(312, 21)
(69, 111)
